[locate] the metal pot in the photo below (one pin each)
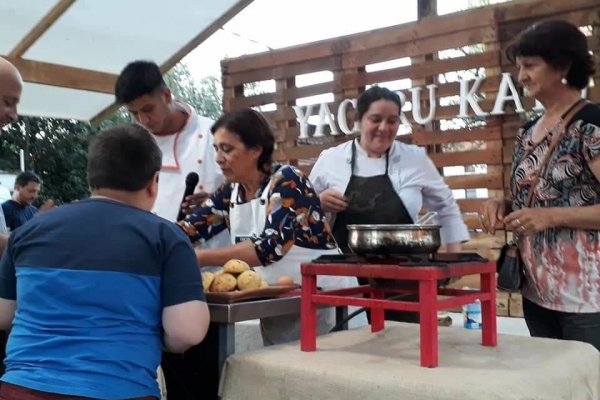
(393, 239)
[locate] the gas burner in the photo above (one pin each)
(438, 259)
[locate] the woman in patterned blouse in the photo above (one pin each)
(559, 233)
(271, 211)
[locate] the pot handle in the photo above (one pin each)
(425, 219)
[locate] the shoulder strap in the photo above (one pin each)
(562, 127)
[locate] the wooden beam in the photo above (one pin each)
(541, 8)
(424, 70)
(452, 158)
(423, 137)
(64, 76)
(470, 205)
(328, 63)
(40, 28)
(403, 33)
(288, 94)
(475, 181)
(205, 34)
(465, 37)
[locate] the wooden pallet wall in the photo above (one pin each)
(483, 33)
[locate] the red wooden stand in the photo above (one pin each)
(427, 305)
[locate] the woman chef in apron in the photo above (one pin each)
(273, 215)
(375, 179)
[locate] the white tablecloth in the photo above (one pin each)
(358, 365)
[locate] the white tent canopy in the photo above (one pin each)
(71, 51)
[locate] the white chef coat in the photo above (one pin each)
(412, 174)
(190, 150)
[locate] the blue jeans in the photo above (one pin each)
(542, 322)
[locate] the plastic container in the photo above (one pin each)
(472, 315)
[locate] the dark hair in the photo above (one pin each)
(124, 157)
(561, 45)
(253, 130)
(25, 177)
(137, 79)
(373, 94)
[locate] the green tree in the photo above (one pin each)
(55, 149)
(121, 116)
(205, 96)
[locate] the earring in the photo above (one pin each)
(564, 81)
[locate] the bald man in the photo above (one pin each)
(11, 85)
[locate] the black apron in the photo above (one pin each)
(372, 200)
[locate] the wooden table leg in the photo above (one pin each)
(377, 313)
(489, 333)
(428, 322)
(308, 314)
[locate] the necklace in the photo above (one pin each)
(550, 132)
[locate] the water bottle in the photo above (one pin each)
(472, 315)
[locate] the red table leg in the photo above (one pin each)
(428, 322)
(308, 314)
(488, 310)
(377, 314)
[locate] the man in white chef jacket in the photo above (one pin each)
(186, 143)
(183, 136)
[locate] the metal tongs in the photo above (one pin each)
(426, 218)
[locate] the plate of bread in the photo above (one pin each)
(236, 281)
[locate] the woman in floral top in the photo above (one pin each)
(294, 216)
(272, 213)
(559, 233)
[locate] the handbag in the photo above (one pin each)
(509, 266)
(511, 275)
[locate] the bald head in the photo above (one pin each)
(11, 85)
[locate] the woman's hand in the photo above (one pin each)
(528, 221)
(332, 201)
(191, 202)
(491, 212)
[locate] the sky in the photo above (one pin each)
(268, 24)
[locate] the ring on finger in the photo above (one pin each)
(521, 228)
(517, 222)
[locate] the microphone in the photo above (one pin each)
(191, 180)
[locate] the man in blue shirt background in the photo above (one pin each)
(19, 208)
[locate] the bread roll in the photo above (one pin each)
(236, 266)
(207, 280)
(223, 283)
(248, 280)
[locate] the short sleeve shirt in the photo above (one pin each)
(562, 264)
